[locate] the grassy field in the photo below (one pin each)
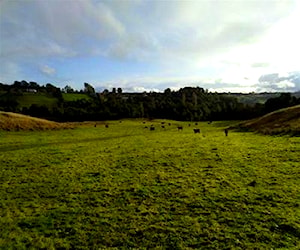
(128, 187)
(27, 99)
(75, 96)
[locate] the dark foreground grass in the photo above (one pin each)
(127, 187)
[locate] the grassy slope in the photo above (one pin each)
(12, 121)
(281, 121)
(125, 187)
(27, 99)
(75, 96)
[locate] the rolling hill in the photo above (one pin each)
(15, 122)
(283, 121)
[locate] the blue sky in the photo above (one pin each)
(236, 46)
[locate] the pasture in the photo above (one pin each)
(68, 97)
(27, 99)
(128, 187)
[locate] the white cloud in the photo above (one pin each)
(285, 84)
(189, 42)
(47, 70)
(49, 28)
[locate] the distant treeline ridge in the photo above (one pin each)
(186, 104)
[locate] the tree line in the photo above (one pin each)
(186, 104)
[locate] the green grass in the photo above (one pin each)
(75, 96)
(27, 99)
(128, 187)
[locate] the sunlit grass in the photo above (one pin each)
(16, 122)
(126, 186)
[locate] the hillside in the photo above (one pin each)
(283, 121)
(15, 122)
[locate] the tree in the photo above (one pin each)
(167, 91)
(54, 91)
(68, 89)
(283, 101)
(24, 84)
(34, 85)
(89, 88)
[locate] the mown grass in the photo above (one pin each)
(127, 187)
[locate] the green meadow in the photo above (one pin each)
(126, 187)
(68, 97)
(27, 99)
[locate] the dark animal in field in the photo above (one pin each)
(162, 122)
(152, 128)
(226, 131)
(189, 125)
(252, 183)
(196, 123)
(197, 130)
(180, 128)
(95, 125)
(145, 127)
(163, 126)
(144, 122)
(106, 125)
(169, 124)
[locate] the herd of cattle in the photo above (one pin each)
(180, 128)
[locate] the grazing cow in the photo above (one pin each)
(162, 122)
(106, 125)
(169, 124)
(152, 128)
(95, 125)
(145, 127)
(197, 130)
(226, 131)
(196, 123)
(180, 128)
(163, 126)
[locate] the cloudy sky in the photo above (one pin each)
(143, 45)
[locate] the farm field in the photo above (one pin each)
(75, 96)
(27, 99)
(128, 187)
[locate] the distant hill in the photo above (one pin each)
(253, 98)
(15, 122)
(283, 121)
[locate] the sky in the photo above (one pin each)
(151, 45)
